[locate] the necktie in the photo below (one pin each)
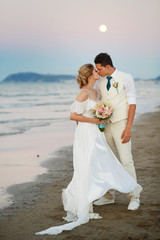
(109, 83)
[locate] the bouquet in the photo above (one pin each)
(102, 111)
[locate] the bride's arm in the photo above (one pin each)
(80, 118)
(82, 97)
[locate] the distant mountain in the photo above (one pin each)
(149, 79)
(35, 77)
(158, 78)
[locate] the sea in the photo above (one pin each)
(28, 109)
(28, 105)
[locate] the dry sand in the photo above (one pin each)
(37, 205)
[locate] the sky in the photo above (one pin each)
(58, 36)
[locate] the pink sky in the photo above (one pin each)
(61, 35)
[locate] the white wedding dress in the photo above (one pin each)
(96, 170)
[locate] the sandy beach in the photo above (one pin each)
(37, 205)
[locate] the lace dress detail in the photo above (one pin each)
(80, 107)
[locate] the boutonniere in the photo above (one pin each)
(115, 85)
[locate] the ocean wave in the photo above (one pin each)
(11, 127)
(13, 120)
(4, 112)
(26, 105)
(11, 133)
(9, 95)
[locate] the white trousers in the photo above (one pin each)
(113, 132)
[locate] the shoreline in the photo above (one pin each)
(39, 205)
(27, 194)
(35, 154)
(23, 161)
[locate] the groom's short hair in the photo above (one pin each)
(104, 59)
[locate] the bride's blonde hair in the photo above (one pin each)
(84, 73)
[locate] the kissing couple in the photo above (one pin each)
(102, 161)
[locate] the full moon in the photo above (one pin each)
(103, 28)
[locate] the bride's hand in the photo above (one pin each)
(103, 122)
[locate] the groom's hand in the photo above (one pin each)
(126, 135)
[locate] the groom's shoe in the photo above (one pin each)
(103, 201)
(134, 204)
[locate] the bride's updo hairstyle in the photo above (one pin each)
(84, 73)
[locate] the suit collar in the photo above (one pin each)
(114, 74)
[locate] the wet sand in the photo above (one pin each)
(21, 155)
(37, 205)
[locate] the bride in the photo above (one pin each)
(96, 168)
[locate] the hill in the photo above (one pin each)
(35, 77)
(149, 79)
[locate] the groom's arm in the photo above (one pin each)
(126, 135)
(129, 87)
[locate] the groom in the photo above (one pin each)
(118, 89)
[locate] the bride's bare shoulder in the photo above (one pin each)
(83, 95)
